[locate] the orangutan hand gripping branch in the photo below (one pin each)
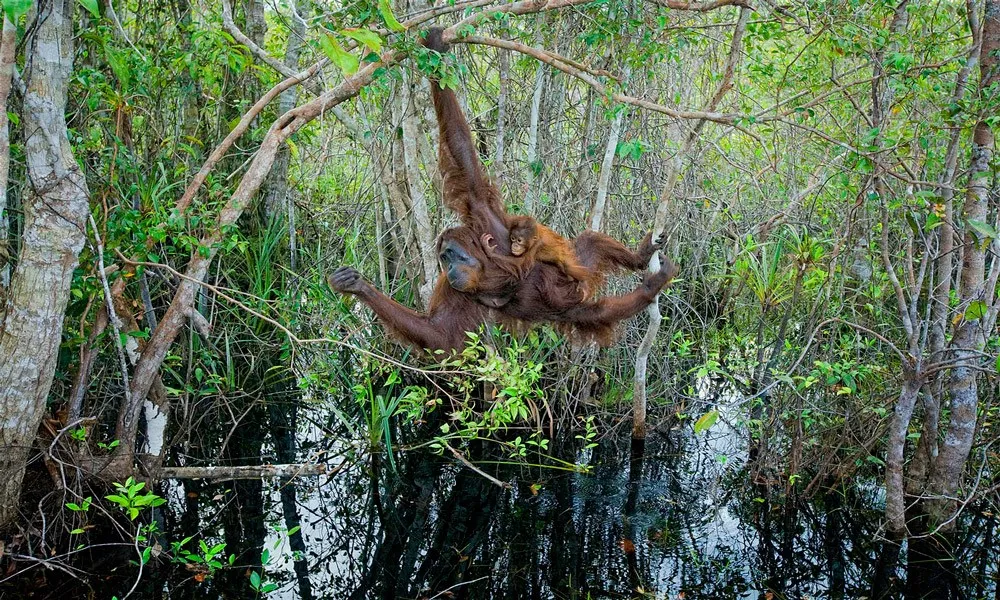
(479, 286)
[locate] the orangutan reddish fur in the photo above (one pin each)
(531, 241)
(476, 287)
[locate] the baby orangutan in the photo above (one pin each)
(530, 241)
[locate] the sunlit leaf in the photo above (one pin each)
(390, 19)
(92, 8)
(345, 61)
(365, 36)
(983, 230)
(15, 8)
(706, 420)
(932, 221)
(975, 311)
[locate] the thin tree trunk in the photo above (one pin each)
(536, 109)
(8, 42)
(607, 166)
(501, 115)
(55, 211)
(895, 503)
(970, 336)
(944, 269)
(276, 188)
(674, 170)
(426, 240)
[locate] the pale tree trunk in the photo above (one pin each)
(882, 98)
(944, 269)
(607, 166)
(399, 197)
(392, 190)
(276, 194)
(501, 115)
(55, 211)
(533, 120)
(8, 41)
(895, 503)
(426, 240)
(674, 170)
(970, 334)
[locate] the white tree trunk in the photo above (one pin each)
(532, 155)
(55, 211)
(674, 170)
(426, 240)
(604, 180)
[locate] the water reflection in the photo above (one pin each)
(676, 519)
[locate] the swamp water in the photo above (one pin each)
(681, 520)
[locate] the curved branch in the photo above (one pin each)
(570, 68)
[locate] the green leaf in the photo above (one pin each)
(365, 36)
(390, 19)
(706, 420)
(15, 8)
(91, 6)
(932, 221)
(255, 579)
(983, 229)
(975, 311)
(345, 61)
(76, 531)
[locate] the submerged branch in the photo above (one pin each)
(226, 473)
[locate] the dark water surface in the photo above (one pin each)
(680, 521)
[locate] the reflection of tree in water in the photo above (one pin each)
(663, 523)
(671, 520)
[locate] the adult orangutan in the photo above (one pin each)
(476, 289)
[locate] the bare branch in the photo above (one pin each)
(228, 472)
(568, 66)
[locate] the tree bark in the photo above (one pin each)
(501, 115)
(895, 503)
(944, 279)
(534, 118)
(607, 166)
(970, 335)
(55, 212)
(8, 42)
(426, 240)
(276, 187)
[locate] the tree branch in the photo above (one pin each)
(570, 68)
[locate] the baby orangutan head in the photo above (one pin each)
(523, 234)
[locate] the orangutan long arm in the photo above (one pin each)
(612, 309)
(467, 190)
(442, 328)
